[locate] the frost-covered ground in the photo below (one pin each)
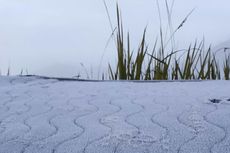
(50, 116)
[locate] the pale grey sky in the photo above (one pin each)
(55, 36)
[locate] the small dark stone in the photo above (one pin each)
(216, 101)
(228, 99)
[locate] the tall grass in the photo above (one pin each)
(227, 67)
(128, 67)
(158, 63)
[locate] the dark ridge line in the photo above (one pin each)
(152, 121)
(17, 114)
(119, 109)
(119, 143)
(54, 149)
(182, 123)
(104, 124)
(50, 135)
(77, 125)
(8, 101)
(128, 123)
(15, 138)
(91, 80)
(55, 126)
(29, 109)
(115, 112)
(133, 114)
(53, 133)
(91, 142)
(12, 98)
(165, 128)
(50, 121)
(197, 133)
(95, 111)
(24, 121)
(215, 125)
(141, 110)
(6, 108)
(81, 127)
(50, 108)
(12, 81)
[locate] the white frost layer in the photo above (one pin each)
(49, 116)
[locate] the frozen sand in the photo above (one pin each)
(50, 116)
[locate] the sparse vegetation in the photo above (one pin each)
(227, 67)
(158, 63)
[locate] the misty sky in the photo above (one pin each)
(52, 37)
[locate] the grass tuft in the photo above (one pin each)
(194, 63)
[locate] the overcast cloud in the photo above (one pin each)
(53, 37)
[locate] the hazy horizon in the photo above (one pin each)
(53, 37)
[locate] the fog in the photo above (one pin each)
(56, 37)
